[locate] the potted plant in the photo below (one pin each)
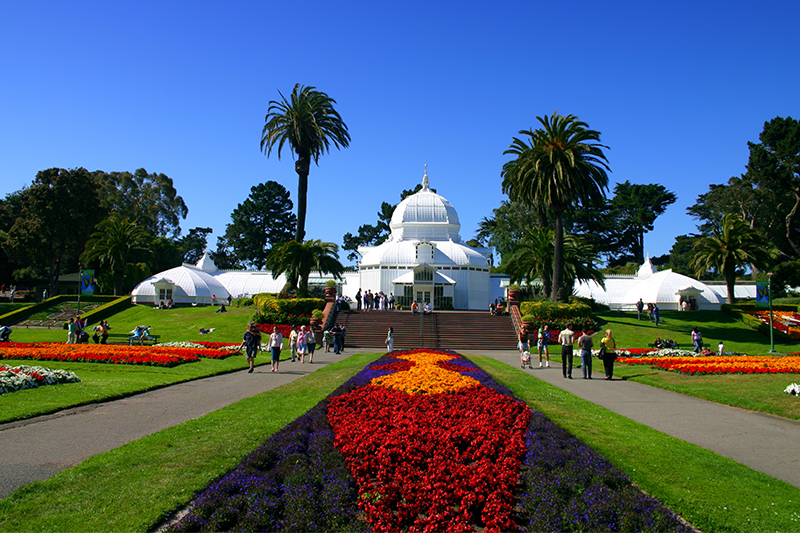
(513, 295)
(317, 316)
(330, 290)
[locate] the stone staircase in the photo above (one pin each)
(441, 329)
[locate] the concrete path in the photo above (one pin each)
(35, 449)
(763, 442)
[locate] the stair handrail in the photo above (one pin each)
(516, 319)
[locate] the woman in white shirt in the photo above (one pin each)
(275, 347)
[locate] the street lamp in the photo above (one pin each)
(771, 331)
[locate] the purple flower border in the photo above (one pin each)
(298, 481)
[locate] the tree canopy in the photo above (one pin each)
(735, 245)
(262, 221)
(309, 124)
(115, 243)
(561, 164)
(149, 200)
(57, 214)
(298, 260)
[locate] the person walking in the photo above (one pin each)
(585, 343)
(358, 300)
(610, 355)
(541, 345)
(390, 340)
(522, 345)
(656, 314)
(251, 343)
(72, 331)
(639, 309)
(293, 343)
(275, 347)
(697, 339)
(336, 333)
(311, 343)
(567, 339)
(302, 348)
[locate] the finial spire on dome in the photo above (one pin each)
(425, 183)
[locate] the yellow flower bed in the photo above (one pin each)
(426, 376)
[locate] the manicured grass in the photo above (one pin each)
(179, 324)
(102, 382)
(710, 491)
(133, 487)
(754, 392)
(678, 325)
(759, 392)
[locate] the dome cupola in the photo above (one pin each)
(425, 215)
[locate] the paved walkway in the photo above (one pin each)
(35, 449)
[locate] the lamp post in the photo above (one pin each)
(771, 331)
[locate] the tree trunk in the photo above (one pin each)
(730, 282)
(558, 260)
(790, 220)
(301, 167)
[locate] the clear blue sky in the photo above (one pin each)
(675, 88)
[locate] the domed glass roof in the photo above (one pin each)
(425, 216)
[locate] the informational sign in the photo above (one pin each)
(87, 283)
(762, 294)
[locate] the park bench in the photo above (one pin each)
(127, 338)
(147, 340)
(678, 346)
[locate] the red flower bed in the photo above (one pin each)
(430, 461)
(283, 329)
(720, 364)
(215, 345)
(103, 353)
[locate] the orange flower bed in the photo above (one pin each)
(720, 365)
(104, 353)
(425, 376)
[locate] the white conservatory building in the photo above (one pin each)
(423, 260)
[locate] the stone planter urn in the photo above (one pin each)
(316, 323)
(330, 294)
(513, 298)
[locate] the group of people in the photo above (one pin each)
(77, 331)
(566, 338)
(653, 312)
(496, 308)
(378, 301)
(426, 308)
(687, 304)
(334, 338)
(12, 291)
(168, 305)
(302, 343)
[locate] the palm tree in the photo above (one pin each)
(532, 258)
(561, 164)
(309, 123)
(297, 260)
(734, 245)
(117, 242)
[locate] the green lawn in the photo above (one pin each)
(754, 392)
(132, 488)
(714, 326)
(101, 382)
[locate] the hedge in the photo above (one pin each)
(547, 310)
(269, 303)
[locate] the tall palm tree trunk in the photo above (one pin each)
(729, 272)
(301, 167)
(558, 259)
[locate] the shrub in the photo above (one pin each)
(547, 310)
(242, 302)
(281, 318)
